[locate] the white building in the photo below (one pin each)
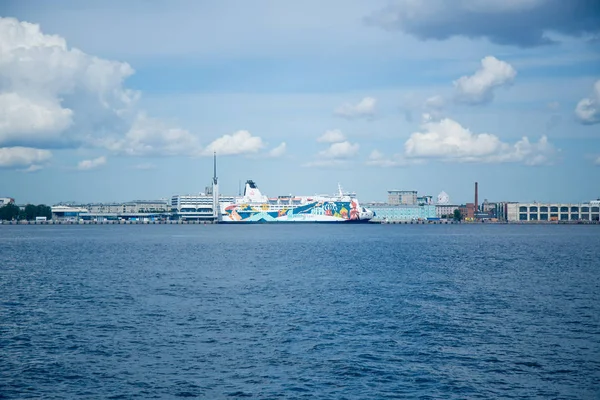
(196, 207)
(553, 211)
(407, 197)
(68, 213)
(6, 200)
(136, 206)
(447, 210)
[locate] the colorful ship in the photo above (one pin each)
(253, 206)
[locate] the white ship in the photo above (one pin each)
(254, 207)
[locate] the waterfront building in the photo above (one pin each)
(136, 206)
(134, 210)
(68, 213)
(198, 207)
(467, 211)
(590, 211)
(445, 210)
(406, 197)
(402, 212)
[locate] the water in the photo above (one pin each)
(307, 311)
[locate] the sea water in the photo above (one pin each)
(300, 311)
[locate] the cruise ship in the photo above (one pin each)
(254, 207)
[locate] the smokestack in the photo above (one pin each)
(476, 198)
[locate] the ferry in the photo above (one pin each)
(254, 207)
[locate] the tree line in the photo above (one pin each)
(11, 212)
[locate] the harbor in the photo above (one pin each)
(252, 206)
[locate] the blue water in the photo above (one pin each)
(331, 312)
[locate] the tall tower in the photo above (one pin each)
(215, 191)
(476, 198)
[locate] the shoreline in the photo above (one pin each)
(78, 223)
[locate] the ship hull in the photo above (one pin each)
(314, 212)
(296, 221)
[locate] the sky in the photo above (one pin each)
(104, 101)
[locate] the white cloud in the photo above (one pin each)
(340, 150)
(22, 118)
(363, 109)
(479, 87)
(332, 136)
(449, 141)
(22, 156)
(150, 137)
(434, 106)
(278, 151)
(85, 165)
(435, 102)
(378, 159)
(32, 168)
(52, 88)
(241, 142)
(337, 154)
(588, 109)
(55, 96)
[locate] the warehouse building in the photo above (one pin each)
(553, 211)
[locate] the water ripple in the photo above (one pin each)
(269, 312)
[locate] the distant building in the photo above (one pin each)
(553, 211)
(467, 211)
(405, 197)
(68, 213)
(445, 210)
(6, 200)
(443, 198)
(424, 200)
(196, 207)
(97, 211)
(137, 206)
(402, 212)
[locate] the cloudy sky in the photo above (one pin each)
(114, 101)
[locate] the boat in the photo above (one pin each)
(254, 207)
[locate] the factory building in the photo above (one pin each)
(520, 212)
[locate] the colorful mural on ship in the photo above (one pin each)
(318, 211)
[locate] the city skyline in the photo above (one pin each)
(103, 101)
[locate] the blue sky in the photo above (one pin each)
(114, 101)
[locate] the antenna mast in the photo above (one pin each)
(215, 168)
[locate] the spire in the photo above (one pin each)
(215, 168)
